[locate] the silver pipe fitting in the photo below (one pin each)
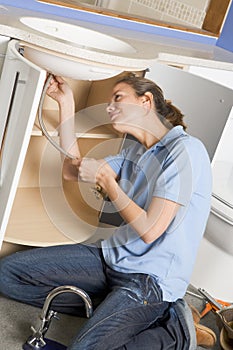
(36, 341)
(66, 289)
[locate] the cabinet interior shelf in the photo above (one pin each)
(30, 224)
(75, 209)
(85, 126)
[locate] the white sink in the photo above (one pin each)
(80, 36)
(68, 66)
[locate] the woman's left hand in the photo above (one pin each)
(97, 172)
(88, 169)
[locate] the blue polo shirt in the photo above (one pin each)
(177, 168)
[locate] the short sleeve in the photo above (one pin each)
(175, 180)
(116, 162)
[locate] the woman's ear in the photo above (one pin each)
(147, 100)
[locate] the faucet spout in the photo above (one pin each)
(66, 289)
(37, 341)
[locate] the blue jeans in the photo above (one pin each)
(129, 312)
(175, 331)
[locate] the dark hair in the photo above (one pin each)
(164, 108)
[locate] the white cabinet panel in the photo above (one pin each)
(220, 76)
(3, 47)
(20, 91)
(206, 104)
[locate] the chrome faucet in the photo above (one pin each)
(36, 340)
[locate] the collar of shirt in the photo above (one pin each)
(171, 135)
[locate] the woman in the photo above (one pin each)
(161, 186)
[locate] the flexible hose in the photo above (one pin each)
(97, 189)
(41, 122)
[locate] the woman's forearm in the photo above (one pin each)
(61, 92)
(129, 210)
(68, 140)
(67, 129)
(149, 224)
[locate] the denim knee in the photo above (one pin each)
(4, 267)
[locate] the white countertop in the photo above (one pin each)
(149, 47)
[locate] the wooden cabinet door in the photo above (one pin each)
(21, 85)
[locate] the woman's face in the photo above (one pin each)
(125, 108)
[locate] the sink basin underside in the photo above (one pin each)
(81, 38)
(67, 66)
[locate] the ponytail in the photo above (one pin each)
(174, 115)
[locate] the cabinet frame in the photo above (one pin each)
(21, 81)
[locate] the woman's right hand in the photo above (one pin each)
(59, 90)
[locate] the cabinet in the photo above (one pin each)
(205, 104)
(20, 81)
(219, 76)
(37, 207)
(4, 40)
